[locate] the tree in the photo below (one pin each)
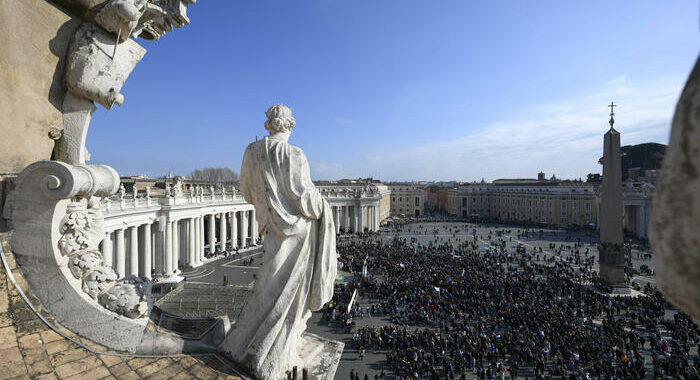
(594, 178)
(644, 156)
(222, 175)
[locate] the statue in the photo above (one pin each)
(177, 187)
(122, 191)
(148, 192)
(299, 253)
(134, 191)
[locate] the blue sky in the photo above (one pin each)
(404, 89)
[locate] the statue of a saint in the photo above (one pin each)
(177, 187)
(299, 252)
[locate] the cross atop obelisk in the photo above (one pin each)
(612, 113)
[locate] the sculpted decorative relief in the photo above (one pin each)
(81, 231)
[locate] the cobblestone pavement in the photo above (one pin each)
(240, 269)
(30, 350)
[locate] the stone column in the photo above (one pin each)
(176, 246)
(212, 232)
(336, 218)
(356, 221)
(222, 231)
(107, 250)
(370, 219)
(341, 217)
(134, 250)
(121, 254)
(253, 227)
(361, 221)
(234, 229)
(377, 220)
(244, 228)
(200, 253)
(197, 238)
(191, 239)
(612, 252)
(146, 251)
(641, 222)
(168, 270)
(159, 249)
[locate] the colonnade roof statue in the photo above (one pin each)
(299, 253)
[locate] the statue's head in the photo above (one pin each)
(279, 119)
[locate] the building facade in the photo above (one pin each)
(636, 208)
(436, 198)
(555, 203)
(156, 236)
(356, 205)
(407, 200)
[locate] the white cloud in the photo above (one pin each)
(562, 137)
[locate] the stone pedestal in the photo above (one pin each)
(320, 355)
(613, 259)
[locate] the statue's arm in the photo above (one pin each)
(310, 198)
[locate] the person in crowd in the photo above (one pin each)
(455, 310)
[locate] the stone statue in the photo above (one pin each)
(134, 191)
(168, 190)
(299, 253)
(122, 191)
(177, 187)
(148, 192)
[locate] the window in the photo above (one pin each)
(417, 202)
(588, 206)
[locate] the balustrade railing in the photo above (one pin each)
(119, 203)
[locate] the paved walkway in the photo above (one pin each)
(240, 269)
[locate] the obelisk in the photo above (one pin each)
(613, 258)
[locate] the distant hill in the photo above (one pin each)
(645, 156)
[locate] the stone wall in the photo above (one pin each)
(34, 38)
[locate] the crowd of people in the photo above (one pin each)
(471, 305)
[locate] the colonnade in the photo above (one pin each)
(354, 217)
(161, 245)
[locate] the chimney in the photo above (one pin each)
(540, 176)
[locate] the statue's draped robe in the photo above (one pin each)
(299, 261)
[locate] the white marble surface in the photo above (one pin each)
(299, 253)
